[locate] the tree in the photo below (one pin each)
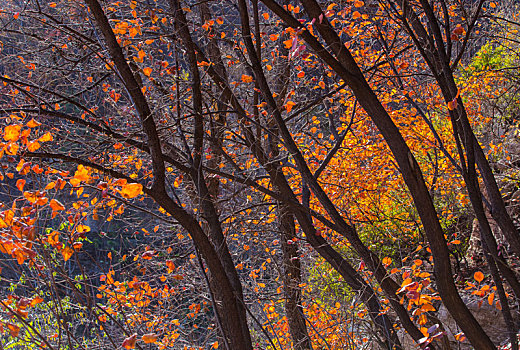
(197, 116)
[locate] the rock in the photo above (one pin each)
(487, 315)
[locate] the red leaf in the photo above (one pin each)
(129, 343)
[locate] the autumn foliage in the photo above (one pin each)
(257, 174)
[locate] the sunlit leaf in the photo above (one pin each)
(149, 338)
(67, 253)
(478, 276)
(129, 343)
(131, 190)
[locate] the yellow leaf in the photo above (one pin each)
(46, 137)
(82, 228)
(131, 190)
(12, 132)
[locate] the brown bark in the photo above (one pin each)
(224, 279)
(206, 200)
(346, 68)
(292, 280)
(286, 195)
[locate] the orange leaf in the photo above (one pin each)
(289, 105)
(36, 300)
(67, 253)
(33, 146)
(170, 265)
(149, 338)
(266, 16)
(427, 307)
(358, 3)
(13, 329)
(56, 205)
(452, 105)
(53, 238)
(458, 30)
(82, 228)
(80, 175)
(131, 190)
(133, 31)
(247, 78)
(19, 184)
(129, 343)
(46, 137)
(33, 123)
(147, 71)
(30, 196)
(12, 132)
(215, 345)
(491, 296)
(479, 276)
